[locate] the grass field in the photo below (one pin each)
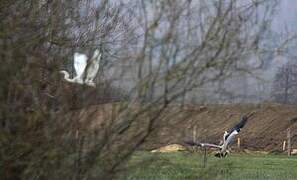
(183, 165)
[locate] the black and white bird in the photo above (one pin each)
(228, 137)
(85, 69)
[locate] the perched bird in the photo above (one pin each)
(86, 70)
(227, 138)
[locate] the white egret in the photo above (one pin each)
(86, 70)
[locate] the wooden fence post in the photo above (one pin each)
(284, 145)
(195, 133)
(195, 137)
(289, 141)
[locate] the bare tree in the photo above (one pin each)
(159, 50)
(285, 84)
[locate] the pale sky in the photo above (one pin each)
(286, 16)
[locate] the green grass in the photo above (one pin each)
(183, 165)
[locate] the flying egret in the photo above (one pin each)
(86, 70)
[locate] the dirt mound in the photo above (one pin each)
(170, 148)
(266, 130)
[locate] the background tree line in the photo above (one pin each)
(285, 83)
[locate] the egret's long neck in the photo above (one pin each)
(66, 75)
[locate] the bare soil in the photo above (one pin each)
(265, 131)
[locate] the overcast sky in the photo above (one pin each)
(286, 16)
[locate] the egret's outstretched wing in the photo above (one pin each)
(192, 143)
(93, 66)
(239, 125)
(242, 122)
(80, 63)
(209, 145)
